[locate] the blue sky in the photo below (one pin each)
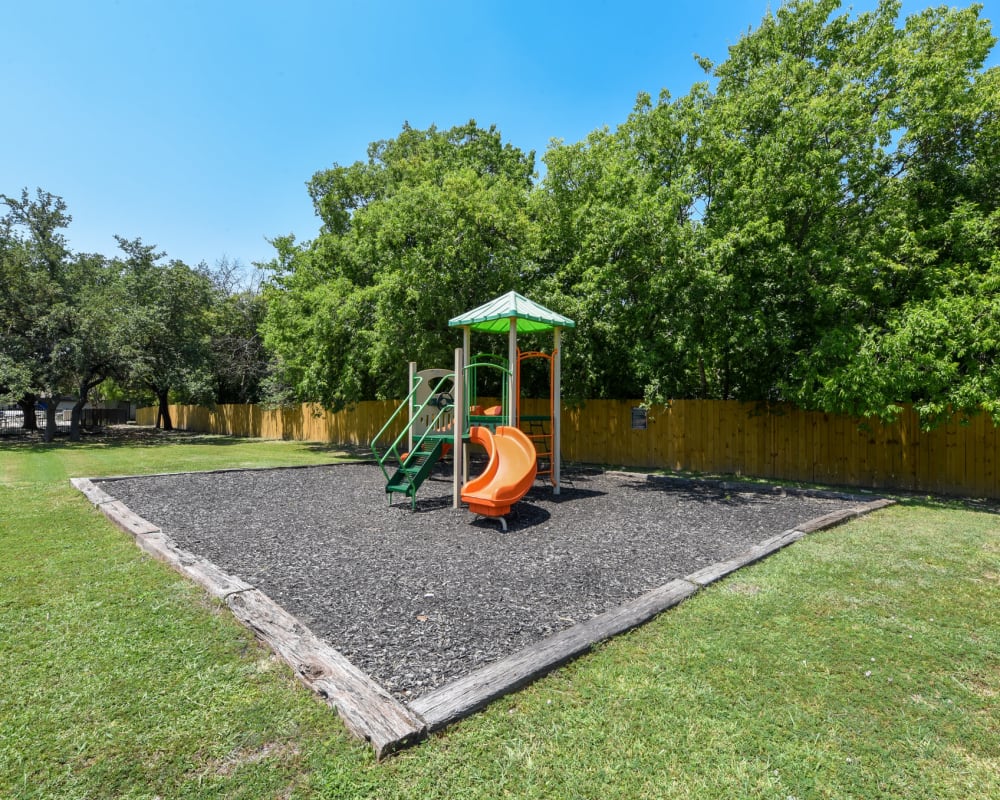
(195, 125)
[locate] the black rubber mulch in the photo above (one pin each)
(418, 599)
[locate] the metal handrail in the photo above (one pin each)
(420, 441)
(478, 360)
(393, 448)
(470, 382)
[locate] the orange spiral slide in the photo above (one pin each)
(509, 473)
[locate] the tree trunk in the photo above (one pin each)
(27, 405)
(84, 394)
(163, 412)
(74, 420)
(50, 418)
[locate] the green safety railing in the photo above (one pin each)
(487, 361)
(392, 451)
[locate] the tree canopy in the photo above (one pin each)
(803, 228)
(817, 222)
(72, 321)
(433, 223)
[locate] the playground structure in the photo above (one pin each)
(443, 414)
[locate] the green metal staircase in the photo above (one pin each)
(413, 467)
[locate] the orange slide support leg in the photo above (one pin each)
(508, 476)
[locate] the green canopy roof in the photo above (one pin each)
(495, 316)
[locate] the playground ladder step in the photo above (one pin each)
(415, 469)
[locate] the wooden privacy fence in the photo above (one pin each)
(715, 436)
(305, 423)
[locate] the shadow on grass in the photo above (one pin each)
(357, 451)
(131, 436)
(942, 502)
(103, 440)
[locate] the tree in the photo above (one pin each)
(618, 251)
(18, 311)
(239, 361)
(98, 343)
(36, 308)
(170, 327)
(434, 223)
(792, 168)
(925, 328)
(816, 223)
(796, 230)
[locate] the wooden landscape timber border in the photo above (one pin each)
(772, 442)
(368, 710)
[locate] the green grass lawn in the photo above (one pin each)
(862, 662)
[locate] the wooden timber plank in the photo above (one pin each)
(882, 461)
(989, 457)
(215, 581)
(714, 452)
(93, 493)
(367, 710)
(154, 542)
(468, 694)
(733, 433)
(828, 520)
(665, 433)
(811, 431)
(841, 436)
(875, 505)
(938, 466)
(782, 540)
(784, 444)
(910, 444)
(682, 460)
(819, 438)
(701, 428)
(750, 426)
(733, 436)
(837, 517)
(925, 456)
(954, 475)
(126, 519)
(713, 572)
(975, 434)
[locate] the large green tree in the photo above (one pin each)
(69, 322)
(239, 363)
(618, 252)
(38, 312)
(792, 167)
(432, 224)
(170, 320)
(917, 318)
(98, 343)
(815, 223)
(63, 314)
